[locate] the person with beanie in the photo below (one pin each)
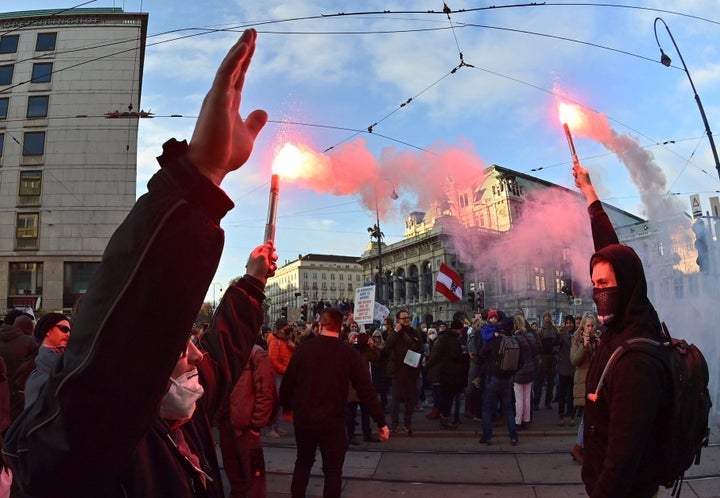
(492, 325)
(52, 331)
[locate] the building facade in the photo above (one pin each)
(312, 280)
(70, 85)
(473, 232)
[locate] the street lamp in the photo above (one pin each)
(376, 233)
(213, 286)
(666, 61)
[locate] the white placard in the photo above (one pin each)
(412, 358)
(364, 304)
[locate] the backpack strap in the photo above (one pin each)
(623, 348)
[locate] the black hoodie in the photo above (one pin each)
(623, 426)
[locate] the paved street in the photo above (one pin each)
(436, 462)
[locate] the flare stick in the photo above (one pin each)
(272, 207)
(576, 162)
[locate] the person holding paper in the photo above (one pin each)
(404, 346)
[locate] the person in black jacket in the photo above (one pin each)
(314, 390)
(448, 365)
(120, 414)
(624, 423)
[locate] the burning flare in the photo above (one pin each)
(288, 161)
(571, 115)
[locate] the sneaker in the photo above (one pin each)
(419, 408)
(514, 442)
(486, 442)
(273, 435)
(572, 422)
(282, 432)
(561, 421)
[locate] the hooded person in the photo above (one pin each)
(625, 418)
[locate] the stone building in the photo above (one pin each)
(472, 231)
(67, 168)
(310, 280)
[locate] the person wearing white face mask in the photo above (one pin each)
(121, 413)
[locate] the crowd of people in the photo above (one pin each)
(120, 399)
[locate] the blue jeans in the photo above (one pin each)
(499, 390)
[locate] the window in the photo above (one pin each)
(76, 281)
(34, 143)
(4, 102)
(41, 72)
(25, 278)
(540, 279)
(45, 41)
(2, 143)
(38, 106)
(27, 225)
(26, 231)
(9, 44)
(6, 75)
(30, 183)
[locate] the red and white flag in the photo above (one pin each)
(449, 284)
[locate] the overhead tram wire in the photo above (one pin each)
(446, 11)
(371, 128)
(51, 15)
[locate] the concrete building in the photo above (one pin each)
(309, 280)
(473, 231)
(67, 168)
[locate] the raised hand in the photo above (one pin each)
(222, 141)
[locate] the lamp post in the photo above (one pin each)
(666, 61)
(376, 233)
(213, 286)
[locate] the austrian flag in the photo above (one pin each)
(448, 283)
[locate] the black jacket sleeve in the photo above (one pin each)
(103, 396)
(602, 230)
(230, 338)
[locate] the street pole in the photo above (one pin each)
(666, 61)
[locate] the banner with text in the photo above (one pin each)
(364, 304)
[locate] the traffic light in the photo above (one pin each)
(284, 312)
(304, 312)
(471, 299)
(703, 259)
(481, 299)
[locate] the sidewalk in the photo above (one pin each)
(448, 463)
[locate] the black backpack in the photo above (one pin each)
(508, 355)
(688, 428)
